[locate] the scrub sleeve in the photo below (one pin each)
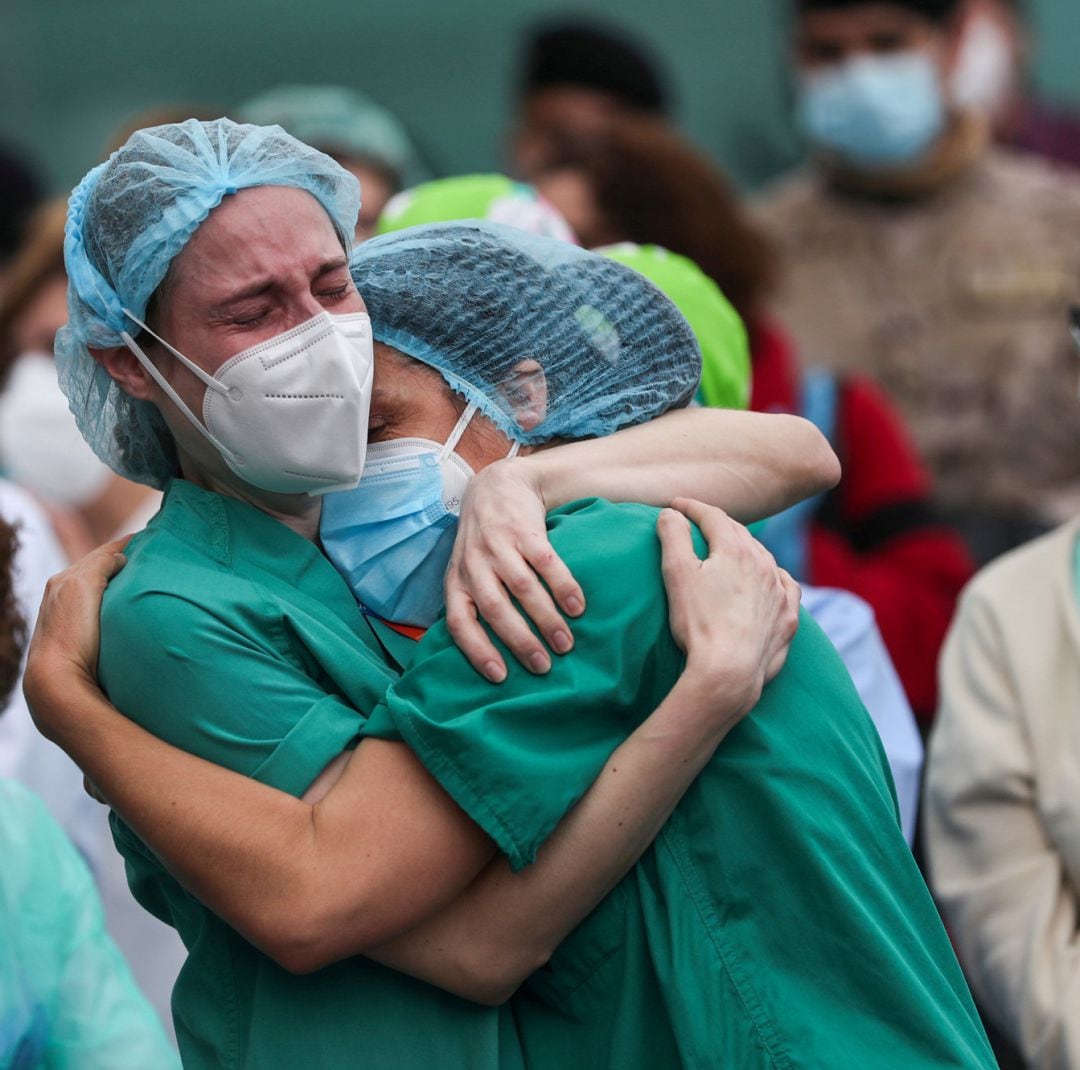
(229, 635)
(778, 921)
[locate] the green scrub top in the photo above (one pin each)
(778, 920)
(231, 636)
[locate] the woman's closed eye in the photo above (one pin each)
(250, 319)
(337, 294)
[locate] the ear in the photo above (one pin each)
(125, 370)
(526, 391)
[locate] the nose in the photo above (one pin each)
(308, 306)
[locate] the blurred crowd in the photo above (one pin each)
(907, 290)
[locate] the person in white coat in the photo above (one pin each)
(1002, 795)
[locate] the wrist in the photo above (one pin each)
(60, 694)
(697, 713)
(543, 474)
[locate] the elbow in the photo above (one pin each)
(295, 944)
(299, 957)
(821, 466)
(298, 931)
(492, 976)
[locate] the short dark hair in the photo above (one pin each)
(935, 10)
(20, 193)
(593, 56)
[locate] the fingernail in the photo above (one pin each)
(495, 672)
(561, 642)
(539, 663)
(574, 605)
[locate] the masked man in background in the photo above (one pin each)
(921, 254)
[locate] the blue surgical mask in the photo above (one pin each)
(391, 537)
(874, 111)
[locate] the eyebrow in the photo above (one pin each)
(262, 286)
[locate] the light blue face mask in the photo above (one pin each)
(392, 535)
(874, 111)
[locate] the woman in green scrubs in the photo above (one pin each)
(230, 633)
(777, 921)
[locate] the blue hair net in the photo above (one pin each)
(475, 299)
(127, 220)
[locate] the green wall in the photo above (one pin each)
(75, 70)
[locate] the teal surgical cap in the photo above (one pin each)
(127, 220)
(476, 300)
(343, 122)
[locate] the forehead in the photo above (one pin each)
(271, 231)
(572, 106)
(397, 372)
(861, 21)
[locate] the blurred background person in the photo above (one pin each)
(1002, 809)
(67, 998)
(24, 754)
(63, 501)
(29, 760)
(991, 75)
(577, 75)
(876, 533)
(916, 252)
(41, 448)
(361, 135)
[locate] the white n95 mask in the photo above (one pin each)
(41, 446)
(392, 536)
(288, 415)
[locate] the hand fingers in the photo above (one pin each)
(714, 523)
(534, 599)
(100, 564)
(676, 547)
(502, 617)
(552, 570)
(788, 622)
(471, 638)
(678, 565)
(793, 596)
(118, 545)
(492, 602)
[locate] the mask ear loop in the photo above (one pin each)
(174, 397)
(459, 430)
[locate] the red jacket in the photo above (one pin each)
(875, 534)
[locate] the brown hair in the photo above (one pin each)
(39, 259)
(654, 187)
(12, 625)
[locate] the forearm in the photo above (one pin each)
(190, 812)
(507, 925)
(750, 464)
(381, 853)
